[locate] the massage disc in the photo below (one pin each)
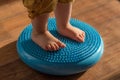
(74, 58)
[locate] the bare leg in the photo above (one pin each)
(42, 37)
(63, 15)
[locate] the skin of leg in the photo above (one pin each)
(41, 36)
(63, 15)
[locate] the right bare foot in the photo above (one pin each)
(47, 41)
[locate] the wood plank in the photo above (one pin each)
(102, 14)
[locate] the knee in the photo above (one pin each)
(38, 7)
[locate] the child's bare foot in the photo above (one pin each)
(47, 41)
(72, 32)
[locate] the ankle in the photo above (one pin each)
(35, 32)
(63, 26)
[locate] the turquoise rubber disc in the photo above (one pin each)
(74, 58)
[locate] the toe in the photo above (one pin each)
(49, 47)
(79, 38)
(83, 34)
(82, 38)
(46, 48)
(80, 35)
(56, 45)
(60, 44)
(52, 47)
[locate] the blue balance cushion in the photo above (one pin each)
(74, 58)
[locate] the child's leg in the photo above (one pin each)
(63, 15)
(39, 13)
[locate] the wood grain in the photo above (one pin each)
(104, 15)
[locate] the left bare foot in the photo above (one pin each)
(72, 32)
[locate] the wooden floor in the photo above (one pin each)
(104, 15)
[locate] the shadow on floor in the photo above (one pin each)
(37, 75)
(12, 68)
